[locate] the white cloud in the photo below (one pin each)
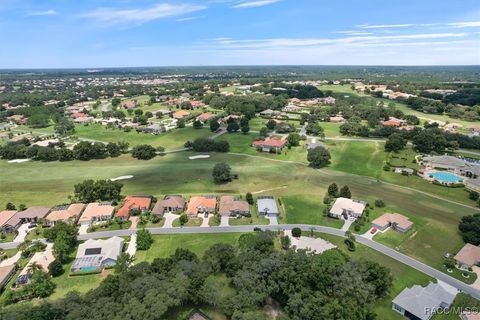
(384, 26)
(189, 18)
(142, 15)
(354, 33)
(254, 4)
(465, 24)
(50, 12)
(306, 42)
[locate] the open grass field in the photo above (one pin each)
(35, 183)
(171, 140)
(80, 283)
(165, 245)
(363, 158)
(330, 129)
(310, 210)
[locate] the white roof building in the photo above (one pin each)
(93, 255)
(347, 208)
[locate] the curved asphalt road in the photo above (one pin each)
(434, 273)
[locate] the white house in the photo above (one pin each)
(347, 208)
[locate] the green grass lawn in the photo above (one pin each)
(175, 173)
(461, 302)
(301, 209)
(110, 227)
(8, 237)
(165, 245)
(254, 219)
(192, 222)
(242, 143)
(403, 275)
(330, 129)
(363, 158)
(80, 283)
(150, 224)
(171, 140)
(36, 233)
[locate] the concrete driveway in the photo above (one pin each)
(368, 234)
(132, 245)
(13, 259)
(22, 233)
(273, 220)
(476, 284)
(169, 217)
(83, 229)
(205, 220)
(347, 224)
(224, 221)
(134, 221)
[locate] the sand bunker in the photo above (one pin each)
(18, 160)
(121, 178)
(201, 156)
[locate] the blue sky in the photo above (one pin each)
(62, 33)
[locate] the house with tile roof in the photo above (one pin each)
(96, 212)
(347, 208)
(231, 206)
(204, 117)
(200, 205)
(395, 221)
(170, 203)
(69, 213)
(180, 114)
(141, 203)
(7, 224)
(274, 145)
(468, 256)
(32, 214)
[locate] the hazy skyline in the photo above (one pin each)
(63, 34)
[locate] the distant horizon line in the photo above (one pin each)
(240, 66)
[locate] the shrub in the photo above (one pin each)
(144, 152)
(296, 232)
(379, 203)
(350, 244)
(144, 239)
(183, 219)
(55, 268)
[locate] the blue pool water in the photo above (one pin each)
(445, 177)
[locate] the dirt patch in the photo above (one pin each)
(412, 235)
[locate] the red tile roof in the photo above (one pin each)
(133, 202)
(205, 117)
(196, 203)
(277, 143)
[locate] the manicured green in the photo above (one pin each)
(171, 140)
(254, 219)
(302, 209)
(363, 158)
(165, 245)
(267, 175)
(192, 222)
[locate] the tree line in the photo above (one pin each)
(307, 286)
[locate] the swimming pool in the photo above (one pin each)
(446, 177)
